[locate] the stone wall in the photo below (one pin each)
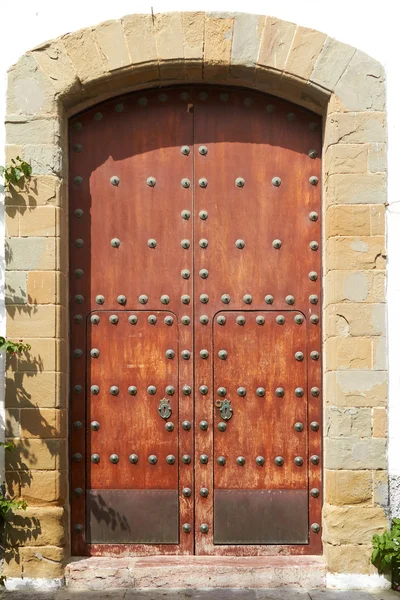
(61, 77)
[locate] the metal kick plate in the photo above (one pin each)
(260, 517)
(132, 516)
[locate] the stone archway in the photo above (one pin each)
(302, 65)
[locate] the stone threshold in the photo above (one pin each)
(196, 572)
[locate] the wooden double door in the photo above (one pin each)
(195, 270)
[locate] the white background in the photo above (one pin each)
(371, 26)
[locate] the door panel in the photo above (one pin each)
(188, 205)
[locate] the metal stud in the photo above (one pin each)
(164, 299)
(270, 108)
(132, 390)
(78, 213)
(313, 180)
(78, 528)
(204, 528)
(314, 355)
(185, 320)
(142, 101)
(203, 425)
(203, 459)
(170, 390)
(224, 97)
(312, 153)
(313, 299)
(204, 492)
(241, 461)
(222, 426)
(203, 150)
(170, 353)
(186, 528)
(78, 180)
(78, 389)
(276, 181)
(313, 216)
(187, 390)
(203, 273)
(221, 320)
(168, 320)
(315, 392)
(299, 356)
(203, 96)
(170, 459)
(203, 243)
(186, 459)
(185, 273)
(240, 320)
(225, 298)
(314, 319)
(185, 150)
(77, 457)
(204, 354)
(314, 492)
(203, 182)
(269, 299)
(298, 461)
(78, 273)
(280, 319)
(113, 319)
(203, 389)
(315, 528)
(185, 354)
(280, 392)
(221, 460)
(186, 492)
(95, 353)
(314, 459)
(299, 392)
(78, 353)
(184, 96)
(222, 354)
(94, 389)
(203, 214)
(185, 214)
(289, 299)
(79, 243)
(133, 459)
(185, 244)
(114, 180)
(204, 319)
(241, 391)
(78, 491)
(277, 244)
(260, 461)
(204, 298)
(132, 319)
(314, 245)
(248, 102)
(151, 243)
(313, 275)
(240, 244)
(291, 117)
(298, 427)
(79, 299)
(77, 126)
(247, 299)
(162, 97)
(260, 320)
(221, 392)
(100, 300)
(239, 182)
(185, 183)
(78, 425)
(260, 391)
(186, 426)
(152, 319)
(114, 390)
(151, 390)
(151, 181)
(298, 319)
(115, 243)
(121, 299)
(143, 299)
(78, 319)
(152, 459)
(119, 108)
(98, 116)
(94, 425)
(279, 461)
(314, 426)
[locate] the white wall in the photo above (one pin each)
(368, 25)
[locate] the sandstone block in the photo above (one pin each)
(347, 220)
(111, 41)
(33, 321)
(380, 488)
(44, 159)
(16, 287)
(169, 41)
(275, 44)
(36, 454)
(42, 221)
(37, 526)
(84, 55)
(31, 254)
(355, 286)
(356, 319)
(349, 558)
(45, 487)
(351, 453)
(306, 47)
(378, 219)
(12, 422)
(379, 422)
(348, 487)
(12, 216)
(193, 41)
(36, 390)
(42, 191)
(348, 353)
(44, 562)
(377, 158)
(362, 85)
(358, 253)
(12, 565)
(346, 158)
(247, 33)
(331, 63)
(46, 287)
(56, 64)
(37, 131)
(356, 388)
(356, 128)
(347, 422)
(352, 524)
(370, 188)
(218, 35)
(379, 353)
(29, 91)
(45, 354)
(43, 423)
(141, 40)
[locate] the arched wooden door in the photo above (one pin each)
(195, 268)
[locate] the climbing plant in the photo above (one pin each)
(16, 171)
(386, 552)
